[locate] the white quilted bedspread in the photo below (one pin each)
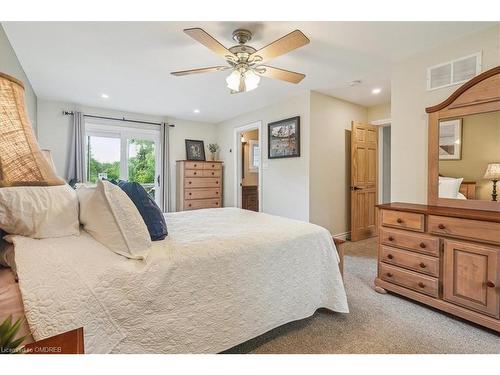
(222, 276)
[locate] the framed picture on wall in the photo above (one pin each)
(195, 150)
(450, 139)
(284, 138)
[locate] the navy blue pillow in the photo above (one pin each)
(149, 210)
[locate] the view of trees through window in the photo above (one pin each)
(104, 161)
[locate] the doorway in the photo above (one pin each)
(248, 181)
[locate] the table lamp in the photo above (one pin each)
(493, 174)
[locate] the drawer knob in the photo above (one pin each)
(194, 173)
(399, 220)
(441, 226)
(422, 265)
(421, 284)
(216, 203)
(422, 245)
(189, 205)
(213, 165)
(190, 193)
(389, 274)
(217, 182)
(391, 238)
(390, 256)
(216, 193)
(189, 182)
(490, 284)
(195, 165)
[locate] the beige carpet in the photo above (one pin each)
(376, 324)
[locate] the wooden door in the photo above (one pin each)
(364, 180)
(471, 276)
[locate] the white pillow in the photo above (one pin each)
(109, 215)
(39, 211)
(449, 187)
(461, 196)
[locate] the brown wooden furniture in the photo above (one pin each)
(70, 342)
(364, 177)
(340, 250)
(448, 258)
(446, 254)
(479, 95)
(468, 189)
(199, 185)
(250, 198)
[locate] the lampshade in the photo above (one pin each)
(246, 81)
(492, 172)
(21, 160)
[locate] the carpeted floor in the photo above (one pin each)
(376, 324)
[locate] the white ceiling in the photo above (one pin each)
(131, 62)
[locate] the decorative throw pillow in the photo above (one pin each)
(149, 210)
(39, 211)
(22, 163)
(449, 187)
(108, 215)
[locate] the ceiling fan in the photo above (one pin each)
(245, 61)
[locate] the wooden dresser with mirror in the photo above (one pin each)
(446, 254)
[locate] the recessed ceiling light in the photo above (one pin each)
(355, 83)
(104, 96)
(196, 111)
(376, 91)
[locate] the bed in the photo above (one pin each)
(221, 277)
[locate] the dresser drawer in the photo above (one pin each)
(212, 173)
(193, 173)
(201, 193)
(193, 164)
(208, 165)
(483, 231)
(404, 220)
(196, 204)
(409, 279)
(412, 241)
(413, 261)
(195, 182)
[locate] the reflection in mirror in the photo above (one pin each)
(469, 157)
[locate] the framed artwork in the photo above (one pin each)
(450, 139)
(195, 150)
(284, 138)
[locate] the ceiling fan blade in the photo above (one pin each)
(209, 41)
(281, 46)
(282, 74)
(201, 70)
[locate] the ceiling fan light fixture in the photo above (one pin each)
(251, 80)
(233, 80)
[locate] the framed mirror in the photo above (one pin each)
(464, 146)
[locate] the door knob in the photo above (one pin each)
(490, 284)
(353, 188)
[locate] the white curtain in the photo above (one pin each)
(76, 167)
(165, 167)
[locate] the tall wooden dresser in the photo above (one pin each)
(199, 185)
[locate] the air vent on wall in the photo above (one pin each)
(453, 72)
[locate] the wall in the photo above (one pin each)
(285, 181)
(379, 112)
(329, 162)
(480, 146)
(54, 133)
(250, 178)
(9, 64)
(409, 98)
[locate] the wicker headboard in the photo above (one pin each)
(468, 188)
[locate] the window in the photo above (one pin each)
(453, 72)
(254, 156)
(127, 153)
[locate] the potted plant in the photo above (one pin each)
(213, 148)
(8, 332)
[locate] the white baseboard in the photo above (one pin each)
(343, 236)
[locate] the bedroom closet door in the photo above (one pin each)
(364, 180)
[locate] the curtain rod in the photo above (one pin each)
(71, 113)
